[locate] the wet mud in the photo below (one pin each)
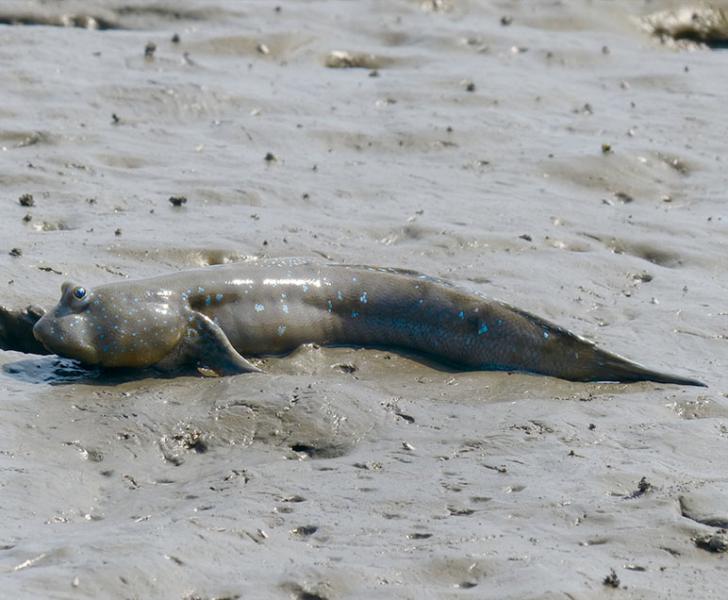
(564, 157)
(689, 27)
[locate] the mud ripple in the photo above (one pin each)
(23, 139)
(308, 426)
(67, 20)
(688, 27)
(708, 506)
(130, 16)
(341, 59)
(282, 46)
(189, 257)
(651, 252)
(701, 407)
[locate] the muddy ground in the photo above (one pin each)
(555, 155)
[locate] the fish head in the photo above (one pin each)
(114, 325)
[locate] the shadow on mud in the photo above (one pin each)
(54, 370)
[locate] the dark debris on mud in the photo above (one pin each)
(713, 542)
(611, 580)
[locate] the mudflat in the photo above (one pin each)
(567, 158)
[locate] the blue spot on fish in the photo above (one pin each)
(483, 329)
(259, 307)
(331, 305)
(201, 290)
(305, 288)
(339, 295)
(285, 308)
(281, 329)
(545, 334)
(218, 297)
(354, 314)
(208, 300)
(363, 298)
(461, 315)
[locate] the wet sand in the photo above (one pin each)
(552, 155)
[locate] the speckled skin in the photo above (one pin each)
(214, 316)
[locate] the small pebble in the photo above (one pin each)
(16, 252)
(150, 49)
(177, 200)
(26, 200)
(175, 38)
(270, 157)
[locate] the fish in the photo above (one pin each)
(216, 318)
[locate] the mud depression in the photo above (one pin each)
(567, 158)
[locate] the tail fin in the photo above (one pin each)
(569, 356)
(611, 367)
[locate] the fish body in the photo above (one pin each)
(215, 316)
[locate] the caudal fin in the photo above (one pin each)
(610, 367)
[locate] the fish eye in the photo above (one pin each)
(79, 293)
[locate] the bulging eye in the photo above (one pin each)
(79, 293)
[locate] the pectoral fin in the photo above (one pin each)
(209, 347)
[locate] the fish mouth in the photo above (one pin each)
(42, 332)
(51, 337)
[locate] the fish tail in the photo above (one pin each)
(561, 353)
(611, 367)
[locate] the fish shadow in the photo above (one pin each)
(54, 370)
(51, 369)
